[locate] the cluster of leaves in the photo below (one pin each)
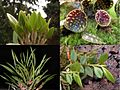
(25, 75)
(30, 29)
(84, 65)
(13, 7)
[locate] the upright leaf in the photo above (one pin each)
(12, 20)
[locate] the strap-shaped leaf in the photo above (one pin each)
(108, 75)
(98, 72)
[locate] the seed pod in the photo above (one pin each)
(102, 18)
(103, 4)
(117, 8)
(76, 21)
(66, 7)
(88, 8)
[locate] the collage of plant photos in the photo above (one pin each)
(59, 44)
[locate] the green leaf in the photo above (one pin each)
(83, 59)
(75, 67)
(22, 18)
(98, 72)
(50, 33)
(15, 37)
(12, 20)
(33, 19)
(69, 78)
(92, 59)
(89, 71)
(81, 69)
(103, 58)
(77, 79)
(73, 55)
(108, 75)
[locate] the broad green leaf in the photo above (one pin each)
(73, 55)
(83, 59)
(81, 69)
(69, 78)
(77, 79)
(89, 71)
(12, 20)
(103, 58)
(108, 75)
(75, 67)
(98, 72)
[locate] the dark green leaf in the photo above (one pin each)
(75, 67)
(103, 58)
(108, 75)
(98, 72)
(77, 79)
(89, 71)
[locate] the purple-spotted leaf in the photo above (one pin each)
(92, 38)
